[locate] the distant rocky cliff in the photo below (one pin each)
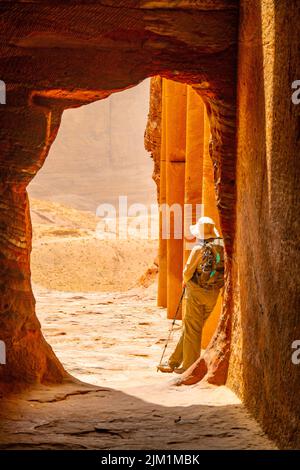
(99, 154)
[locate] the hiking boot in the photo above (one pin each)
(179, 370)
(165, 368)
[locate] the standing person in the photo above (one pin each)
(203, 277)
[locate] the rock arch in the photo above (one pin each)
(74, 54)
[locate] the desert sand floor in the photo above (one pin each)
(72, 251)
(113, 341)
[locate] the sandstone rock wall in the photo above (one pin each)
(153, 130)
(266, 313)
(261, 317)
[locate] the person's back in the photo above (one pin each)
(208, 260)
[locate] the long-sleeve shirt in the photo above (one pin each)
(193, 262)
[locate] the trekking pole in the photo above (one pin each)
(171, 329)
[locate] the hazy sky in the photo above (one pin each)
(99, 154)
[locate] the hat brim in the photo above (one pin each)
(195, 230)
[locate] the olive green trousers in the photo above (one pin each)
(198, 305)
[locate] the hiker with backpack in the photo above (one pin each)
(203, 277)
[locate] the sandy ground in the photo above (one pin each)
(106, 338)
(72, 251)
(114, 341)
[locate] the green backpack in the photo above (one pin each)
(211, 273)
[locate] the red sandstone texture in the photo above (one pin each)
(56, 56)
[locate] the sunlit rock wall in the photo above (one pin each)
(261, 303)
(266, 309)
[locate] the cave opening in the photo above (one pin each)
(97, 291)
(84, 267)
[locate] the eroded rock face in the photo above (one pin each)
(260, 318)
(265, 276)
(153, 129)
(29, 357)
(264, 288)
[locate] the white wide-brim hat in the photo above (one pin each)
(204, 228)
